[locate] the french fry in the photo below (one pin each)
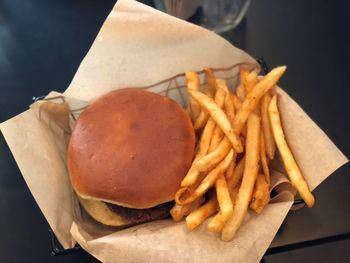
(248, 180)
(294, 173)
(231, 168)
(178, 212)
(257, 109)
(211, 80)
(243, 72)
(225, 205)
(185, 196)
(201, 120)
(263, 159)
(192, 80)
(244, 131)
(191, 176)
(193, 172)
(228, 106)
(210, 126)
(253, 97)
(234, 193)
(216, 224)
(217, 137)
(207, 162)
(199, 215)
(229, 110)
(261, 194)
(249, 118)
(240, 90)
(266, 83)
(250, 81)
(236, 102)
(220, 118)
(186, 191)
(237, 175)
(203, 116)
(266, 127)
(223, 196)
(206, 136)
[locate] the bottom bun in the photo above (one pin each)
(114, 215)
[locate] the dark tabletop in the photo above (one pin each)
(43, 42)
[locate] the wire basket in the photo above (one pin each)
(173, 87)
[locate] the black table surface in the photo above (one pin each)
(43, 42)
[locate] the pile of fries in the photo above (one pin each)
(238, 134)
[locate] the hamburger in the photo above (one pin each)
(127, 155)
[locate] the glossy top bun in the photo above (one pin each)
(131, 148)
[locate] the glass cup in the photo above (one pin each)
(216, 15)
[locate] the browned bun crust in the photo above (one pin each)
(99, 211)
(132, 148)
